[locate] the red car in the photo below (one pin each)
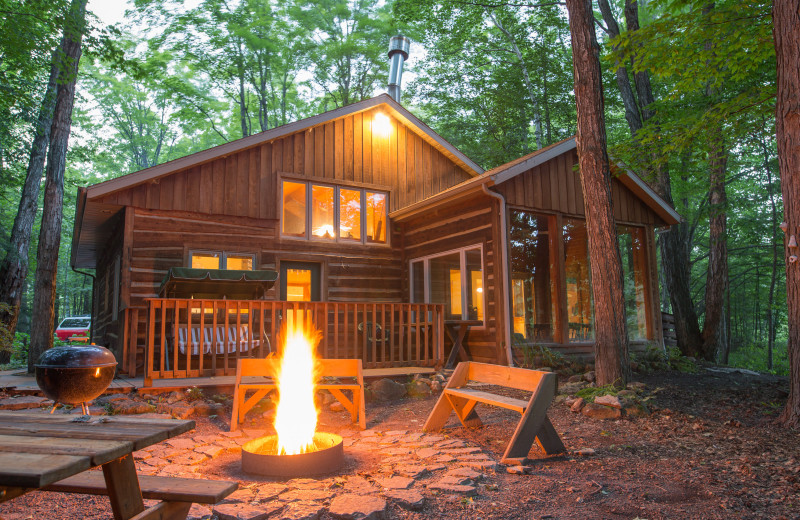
(77, 326)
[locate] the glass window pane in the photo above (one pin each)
(294, 209)
(417, 282)
(350, 214)
(298, 285)
(531, 284)
(580, 312)
(442, 271)
(240, 262)
(475, 280)
(634, 269)
(376, 217)
(322, 212)
(206, 260)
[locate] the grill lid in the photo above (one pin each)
(81, 356)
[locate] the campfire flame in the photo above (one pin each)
(296, 413)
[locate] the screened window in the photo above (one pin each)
(221, 260)
(634, 269)
(454, 279)
(322, 212)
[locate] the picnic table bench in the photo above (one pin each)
(54, 451)
(458, 397)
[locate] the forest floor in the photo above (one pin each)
(709, 449)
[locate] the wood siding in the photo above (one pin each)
(346, 150)
(555, 186)
(453, 226)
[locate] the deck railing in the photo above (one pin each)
(194, 338)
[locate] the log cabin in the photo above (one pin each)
(368, 224)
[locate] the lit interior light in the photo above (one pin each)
(325, 231)
(381, 124)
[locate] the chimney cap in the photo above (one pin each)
(399, 44)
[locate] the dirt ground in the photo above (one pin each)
(708, 450)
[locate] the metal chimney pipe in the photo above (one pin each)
(398, 54)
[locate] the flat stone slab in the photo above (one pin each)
(199, 512)
(406, 498)
(23, 403)
(465, 472)
(206, 439)
(182, 444)
(455, 480)
(270, 491)
(412, 471)
(305, 495)
(358, 507)
(240, 496)
(359, 485)
(426, 453)
(454, 489)
(460, 451)
(301, 511)
(190, 459)
(241, 511)
(209, 451)
(395, 482)
(481, 464)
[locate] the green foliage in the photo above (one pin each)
(753, 357)
(534, 356)
(589, 393)
(6, 338)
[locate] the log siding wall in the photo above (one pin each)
(245, 184)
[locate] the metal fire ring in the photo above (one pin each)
(259, 457)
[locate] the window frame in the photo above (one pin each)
(223, 257)
(462, 257)
(337, 239)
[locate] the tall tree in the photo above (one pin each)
(14, 267)
(786, 19)
(611, 337)
(69, 55)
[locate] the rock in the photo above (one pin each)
(205, 408)
(358, 507)
(454, 489)
(336, 406)
(598, 411)
(130, 407)
(419, 388)
(425, 453)
(574, 379)
(626, 394)
(240, 511)
(182, 444)
(589, 377)
(455, 480)
(23, 402)
(637, 386)
(571, 388)
(387, 390)
(241, 496)
(481, 464)
(439, 377)
(359, 485)
(270, 491)
(422, 378)
(179, 410)
(395, 482)
(412, 471)
(585, 452)
(466, 472)
(608, 400)
(209, 451)
(519, 470)
(175, 396)
(406, 498)
(199, 512)
(190, 459)
(578, 405)
(301, 511)
(253, 434)
(305, 495)
(436, 387)
(635, 410)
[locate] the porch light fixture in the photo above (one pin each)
(381, 124)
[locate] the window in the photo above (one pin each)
(455, 279)
(580, 309)
(221, 260)
(532, 287)
(322, 212)
(634, 269)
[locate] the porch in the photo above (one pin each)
(192, 338)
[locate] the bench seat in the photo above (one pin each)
(168, 489)
(518, 405)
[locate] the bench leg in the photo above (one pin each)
(166, 511)
(548, 439)
(533, 422)
(465, 411)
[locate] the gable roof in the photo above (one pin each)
(392, 106)
(516, 167)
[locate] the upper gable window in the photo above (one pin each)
(333, 213)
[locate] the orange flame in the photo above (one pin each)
(296, 413)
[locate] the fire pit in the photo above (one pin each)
(297, 449)
(261, 457)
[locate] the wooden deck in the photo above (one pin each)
(14, 383)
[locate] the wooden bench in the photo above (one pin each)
(534, 424)
(176, 494)
(270, 367)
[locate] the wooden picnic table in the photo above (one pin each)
(457, 330)
(38, 450)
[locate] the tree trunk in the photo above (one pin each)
(717, 272)
(69, 56)
(611, 335)
(786, 19)
(14, 267)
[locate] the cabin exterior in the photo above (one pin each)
(380, 232)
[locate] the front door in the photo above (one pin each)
(300, 281)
